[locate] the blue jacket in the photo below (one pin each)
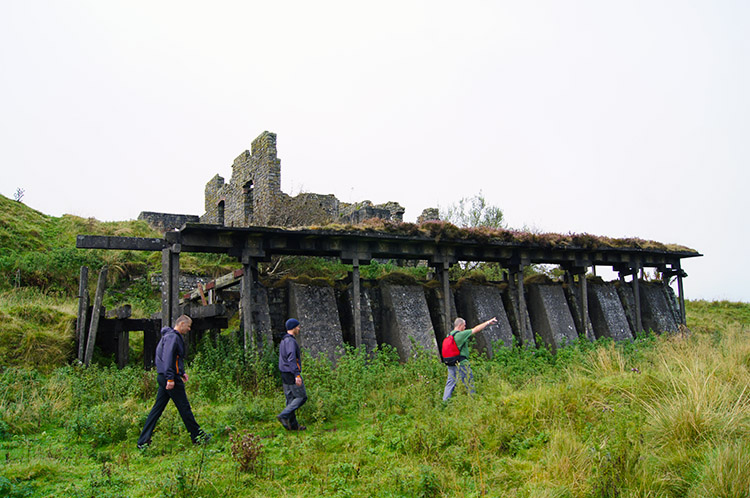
(289, 358)
(170, 353)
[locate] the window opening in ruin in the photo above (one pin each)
(247, 190)
(221, 213)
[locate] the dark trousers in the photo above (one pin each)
(180, 401)
(295, 397)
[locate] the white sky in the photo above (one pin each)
(613, 118)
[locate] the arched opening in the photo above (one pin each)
(247, 191)
(220, 220)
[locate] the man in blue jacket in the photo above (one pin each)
(171, 377)
(290, 366)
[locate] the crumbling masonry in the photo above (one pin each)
(253, 196)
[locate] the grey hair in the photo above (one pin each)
(459, 321)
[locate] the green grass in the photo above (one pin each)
(664, 416)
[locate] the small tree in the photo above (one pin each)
(19, 194)
(474, 212)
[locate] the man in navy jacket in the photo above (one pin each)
(290, 366)
(171, 377)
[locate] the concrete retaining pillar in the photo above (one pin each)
(261, 315)
(367, 324)
(573, 295)
(406, 319)
(627, 299)
(606, 313)
(479, 303)
(656, 311)
(550, 315)
(436, 304)
(315, 308)
(525, 334)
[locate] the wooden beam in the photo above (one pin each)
(120, 243)
(208, 311)
(222, 282)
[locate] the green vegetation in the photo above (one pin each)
(665, 416)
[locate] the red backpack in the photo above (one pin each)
(451, 353)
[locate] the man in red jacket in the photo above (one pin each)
(462, 368)
(171, 377)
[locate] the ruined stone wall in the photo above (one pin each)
(165, 222)
(215, 201)
(253, 196)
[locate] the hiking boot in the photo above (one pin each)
(144, 446)
(284, 422)
(203, 438)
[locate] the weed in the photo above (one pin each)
(246, 450)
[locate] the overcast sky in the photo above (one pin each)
(625, 119)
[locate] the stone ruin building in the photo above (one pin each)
(253, 197)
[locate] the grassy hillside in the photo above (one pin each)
(662, 417)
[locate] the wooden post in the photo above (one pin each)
(123, 345)
(83, 307)
(246, 303)
(584, 302)
(681, 293)
(95, 313)
(637, 298)
(151, 337)
(166, 288)
(521, 302)
(170, 291)
(445, 276)
(357, 302)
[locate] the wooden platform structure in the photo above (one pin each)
(251, 245)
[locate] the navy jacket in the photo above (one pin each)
(290, 364)
(170, 353)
